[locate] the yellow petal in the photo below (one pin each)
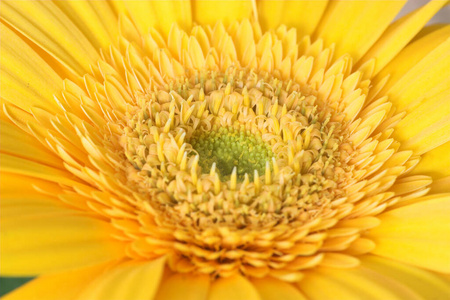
(357, 283)
(157, 14)
(318, 287)
(47, 26)
(302, 15)
(30, 81)
(13, 186)
(274, 289)
(441, 185)
(418, 234)
(412, 55)
(236, 288)
(18, 143)
(44, 238)
(68, 285)
(435, 163)
(426, 126)
(188, 287)
(399, 33)
(428, 71)
(136, 280)
(95, 19)
(355, 25)
(26, 167)
(427, 284)
(209, 12)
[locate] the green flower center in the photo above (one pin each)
(230, 148)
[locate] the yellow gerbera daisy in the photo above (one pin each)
(225, 150)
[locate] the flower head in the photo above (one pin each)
(222, 150)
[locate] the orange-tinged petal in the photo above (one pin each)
(65, 285)
(236, 288)
(45, 237)
(133, 280)
(274, 289)
(418, 234)
(357, 283)
(184, 287)
(427, 284)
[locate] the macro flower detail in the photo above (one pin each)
(225, 150)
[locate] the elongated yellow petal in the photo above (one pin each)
(46, 238)
(427, 125)
(441, 185)
(30, 81)
(428, 285)
(412, 55)
(69, 284)
(355, 25)
(184, 287)
(357, 283)
(46, 25)
(209, 12)
(418, 234)
(134, 280)
(26, 167)
(15, 186)
(435, 163)
(427, 68)
(18, 143)
(274, 289)
(158, 14)
(399, 33)
(236, 288)
(95, 19)
(302, 15)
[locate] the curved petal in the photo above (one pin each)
(69, 284)
(274, 289)
(435, 163)
(95, 19)
(42, 237)
(353, 284)
(427, 284)
(236, 288)
(47, 26)
(137, 280)
(158, 14)
(207, 12)
(302, 15)
(418, 234)
(17, 143)
(188, 287)
(399, 33)
(30, 81)
(355, 25)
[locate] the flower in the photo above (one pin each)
(225, 150)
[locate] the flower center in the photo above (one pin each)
(235, 149)
(231, 150)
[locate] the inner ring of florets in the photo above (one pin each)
(179, 142)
